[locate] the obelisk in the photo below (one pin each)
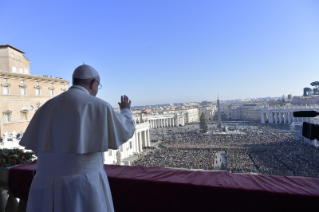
(219, 123)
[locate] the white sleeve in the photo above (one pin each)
(127, 113)
(121, 127)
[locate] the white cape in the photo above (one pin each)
(76, 122)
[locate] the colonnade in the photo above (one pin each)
(281, 117)
(284, 114)
(162, 122)
(142, 139)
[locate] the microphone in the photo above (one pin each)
(305, 114)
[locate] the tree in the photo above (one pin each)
(315, 91)
(203, 124)
(306, 91)
(315, 83)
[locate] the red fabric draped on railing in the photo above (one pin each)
(162, 189)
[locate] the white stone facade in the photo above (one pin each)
(191, 115)
(209, 112)
(243, 112)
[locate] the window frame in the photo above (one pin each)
(23, 89)
(7, 120)
(7, 89)
(14, 69)
(37, 89)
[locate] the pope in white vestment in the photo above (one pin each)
(69, 134)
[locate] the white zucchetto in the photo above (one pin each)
(85, 72)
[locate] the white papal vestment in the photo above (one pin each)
(70, 182)
(69, 134)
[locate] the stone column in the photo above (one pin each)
(145, 138)
(173, 122)
(263, 118)
(276, 117)
(148, 138)
(289, 118)
(140, 141)
(136, 142)
(280, 117)
(270, 117)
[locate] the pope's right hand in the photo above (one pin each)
(125, 103)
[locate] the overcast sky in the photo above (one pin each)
(162, 51)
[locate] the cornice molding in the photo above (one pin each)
(37, 86)
(24, 111)
(23, 86)
(7, 111)
(6, 74)
(5, 84)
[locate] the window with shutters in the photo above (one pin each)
(23, 91)
(7, 117)
(24, 116)
(37, 91)
(5, 89)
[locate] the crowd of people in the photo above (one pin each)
(187, 159)
(258, 149)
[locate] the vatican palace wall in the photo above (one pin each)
(21, 95)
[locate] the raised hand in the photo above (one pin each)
(125, 103)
